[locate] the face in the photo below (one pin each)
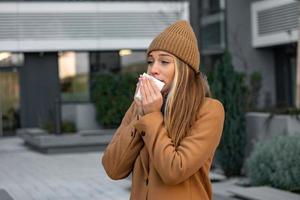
(161, 66)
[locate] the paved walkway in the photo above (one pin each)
(28, 175)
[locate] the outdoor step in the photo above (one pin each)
(4, 195)
(215, 177)
(263, 193)
(91, 140)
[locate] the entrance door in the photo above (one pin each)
(285, 63)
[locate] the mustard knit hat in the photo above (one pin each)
(179, 39)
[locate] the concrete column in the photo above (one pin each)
(40, 89)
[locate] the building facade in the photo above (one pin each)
(50, 50)
(261, 35)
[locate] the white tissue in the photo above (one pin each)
(157, 82)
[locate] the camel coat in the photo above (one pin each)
(159, 171)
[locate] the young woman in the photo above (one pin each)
(167, 139)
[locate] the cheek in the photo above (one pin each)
(171, 74)
(168, 79)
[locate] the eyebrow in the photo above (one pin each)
(162, 54)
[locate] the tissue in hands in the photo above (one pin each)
(157, 82)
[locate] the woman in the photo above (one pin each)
(167, 139)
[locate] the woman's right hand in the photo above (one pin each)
(138, 102)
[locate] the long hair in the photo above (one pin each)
(186, 95)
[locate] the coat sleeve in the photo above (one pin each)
(175, 165)
(121, 153)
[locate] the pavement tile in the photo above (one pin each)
(29, 175)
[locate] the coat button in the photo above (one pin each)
(143, 133)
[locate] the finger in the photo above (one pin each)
(155, 89)
(150, 89)
(143, 92)
(138, 103)
(137, 87)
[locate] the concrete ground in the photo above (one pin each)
(28, 175)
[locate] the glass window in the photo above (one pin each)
(122, 61)
(74, 76)
(214, 6)
(10, 91)
(8, 59)
(133, 61)
(104, 61)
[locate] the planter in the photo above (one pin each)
(82, 114)
(259, 128)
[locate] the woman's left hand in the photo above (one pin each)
(152, 99)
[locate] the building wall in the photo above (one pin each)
(246, 58)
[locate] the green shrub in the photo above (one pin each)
(112, 95)
(68, 127)
(254, 89)
(276, 163)
(228, 87)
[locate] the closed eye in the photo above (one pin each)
(150, 62)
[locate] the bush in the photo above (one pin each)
(276, 163)
(66, 127)
(228, 87)
(254, 89)
(112, 95)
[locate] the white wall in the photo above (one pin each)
(83, 115)
(67, 26)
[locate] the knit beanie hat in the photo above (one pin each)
(178, 39)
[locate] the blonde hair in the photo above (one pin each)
(184, 100)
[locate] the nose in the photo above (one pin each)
(154, 69)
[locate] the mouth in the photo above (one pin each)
(160, 80)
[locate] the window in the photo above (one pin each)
(74, 76)
(8, 59)
(104, 61)
(214, 6)
(10, 91)
(122, 61)
(133, 61)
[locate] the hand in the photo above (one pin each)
(152, 99)
(138, 102)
